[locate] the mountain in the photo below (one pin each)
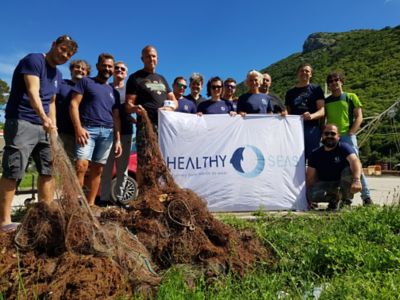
(370, 60)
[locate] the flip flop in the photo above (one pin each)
(9, 227)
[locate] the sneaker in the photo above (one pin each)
(367, 201)
(345, 203)
(332, 206)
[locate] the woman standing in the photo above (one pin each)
(215, 105)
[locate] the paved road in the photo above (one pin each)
(385, 190)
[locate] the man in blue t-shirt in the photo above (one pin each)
(196, 81)
(128, 132)
(78, 69)
(333, 171)
(94, 111)
(184, 105)
(30, 117)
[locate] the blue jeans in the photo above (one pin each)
(312, 137)
(352, 141)
(99, 145)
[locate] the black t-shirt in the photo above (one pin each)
(151, 90)
(330, 164)
(303, 99)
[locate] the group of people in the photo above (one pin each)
(95, 120)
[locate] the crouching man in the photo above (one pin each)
(334, 170)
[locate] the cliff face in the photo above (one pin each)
(317, 41)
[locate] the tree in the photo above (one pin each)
(4, 90)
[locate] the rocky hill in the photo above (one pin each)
(370, 60)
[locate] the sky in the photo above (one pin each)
(212, 37)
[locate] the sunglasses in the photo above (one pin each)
(333, 80)
(228, 86)
(181, 85)
(120, 68)
(329, 133)
(214, 87)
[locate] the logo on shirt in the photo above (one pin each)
(156, 87)
(223, 108)
(336, 159)
(237, 162)
(186, 107)
(112, 95)
(55, 83)
(264, 101)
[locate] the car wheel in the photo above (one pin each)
(130, 190)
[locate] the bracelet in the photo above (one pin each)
(117, 142)
(356, 180)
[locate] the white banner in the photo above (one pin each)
(235, 163)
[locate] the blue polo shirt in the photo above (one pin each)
(186, 106)
(215, 107)
(63, 99)
(18, 105)
(98, 102)
(254, 103)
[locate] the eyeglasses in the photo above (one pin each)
(181, 85)
(329, 133)
(266, 80)
(214, 87)
(333, 80)
(228, 86)
(120, 68)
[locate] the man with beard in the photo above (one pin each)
(94, 111)
(277, 106)
(333, 172)
(78, 69)
(30, 117)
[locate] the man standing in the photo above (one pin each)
(196, 84)
(147, 91)
(229, 92)
(30, 117)
(307, 100)
(333, 171)
(184, 105)
(94, 112)
(120, 74)
(78, 69)
(345, 110)
(277, 106)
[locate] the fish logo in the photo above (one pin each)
(237, 159)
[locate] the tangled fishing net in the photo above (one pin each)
(65, 252)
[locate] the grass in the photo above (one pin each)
(352, 254)
(26, 182)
